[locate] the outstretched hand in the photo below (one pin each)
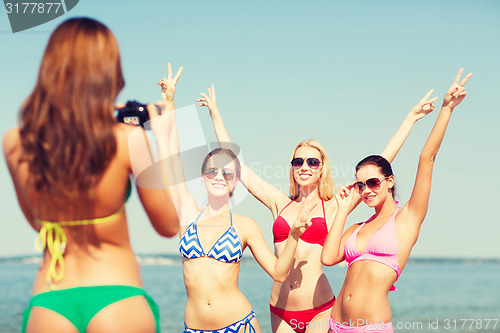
(456, 93)
(209, 100)
(424, 107)
(168, 84)
(303, 220)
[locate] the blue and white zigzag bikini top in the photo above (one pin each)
(226, 249)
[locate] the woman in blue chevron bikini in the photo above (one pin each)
(212, 239)
(70, 165)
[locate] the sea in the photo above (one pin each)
(434, 295)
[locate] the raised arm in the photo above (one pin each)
(423, 108)
(165, 130)
(152, 182)
(260, 189)
(333, 249)
(279, 268)
(417, 205)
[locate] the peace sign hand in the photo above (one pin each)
(168, 85)
(457, 92)
(424, 107)
(209, 100)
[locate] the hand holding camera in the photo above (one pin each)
(134, 113)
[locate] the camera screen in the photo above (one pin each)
(131, 120)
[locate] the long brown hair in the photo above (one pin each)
(326, 186)
(66, 124)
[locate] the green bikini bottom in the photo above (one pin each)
(79, 305)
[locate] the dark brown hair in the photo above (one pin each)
(66, 124)
(383, 165)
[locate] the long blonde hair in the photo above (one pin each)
(66, 124)
(326, 187)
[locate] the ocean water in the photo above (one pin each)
(433, 295)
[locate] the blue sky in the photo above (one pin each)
(344, 73)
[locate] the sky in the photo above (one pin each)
(342, 72)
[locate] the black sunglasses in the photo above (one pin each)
(210, 173)
(312, 162)
(373, 183)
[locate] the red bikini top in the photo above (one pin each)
(315, 234)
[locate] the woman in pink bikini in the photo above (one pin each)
(303, 301)
(378, 249)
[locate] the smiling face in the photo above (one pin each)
(219, 175)
(376, 194)
(305, 175)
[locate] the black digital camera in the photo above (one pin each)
(134, 113)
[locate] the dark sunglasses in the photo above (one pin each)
(312, 162)
(373, 183)
(210, 173)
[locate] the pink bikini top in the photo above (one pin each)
(315, 234)
(382, 247)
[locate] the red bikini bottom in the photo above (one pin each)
(299, 320)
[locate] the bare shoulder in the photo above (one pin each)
(351, 229)
(331, 207)
(245, 224)
(123, 134)
(403, 214)
(11, 141)
(124, 131)
(404, 218)
(248, 230)
(281, 201)
(243, 221)
(11, 138)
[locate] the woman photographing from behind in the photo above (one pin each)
(70, 165)
(378, 249)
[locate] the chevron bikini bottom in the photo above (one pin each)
(233, 328)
